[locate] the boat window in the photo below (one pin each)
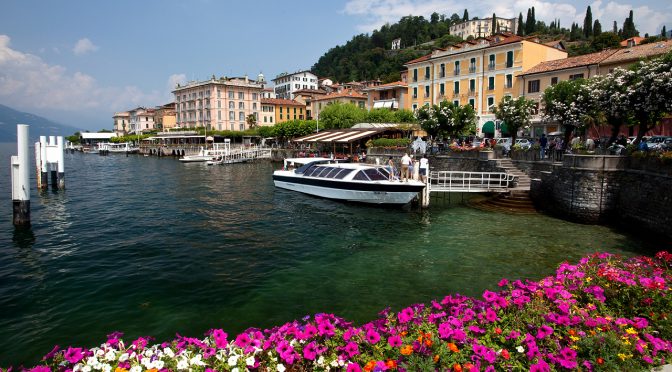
(360, 176)
(344, 172)
(320, 171)
(375, 175)
(332, 172)
(308, 171)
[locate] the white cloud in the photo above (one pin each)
(175, 79)
(27, 81)
(84, 46)
(376, 13)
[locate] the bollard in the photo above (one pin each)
(20, 179)
(43, 163)
(61, 163)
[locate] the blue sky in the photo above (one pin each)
(79, 61)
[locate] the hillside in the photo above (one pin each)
(39, 126)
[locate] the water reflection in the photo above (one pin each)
(23, 237)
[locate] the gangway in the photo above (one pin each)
(243, 154)
(458, 181)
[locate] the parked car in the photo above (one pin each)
(655, 142)
(504, 142)
(666, 145)
(524, 143)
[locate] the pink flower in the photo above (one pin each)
(544, 331)
(40, 369)
(220, 338)
(353, 367)
(394, 341)
(310, 351)
(405, 315)
(541, 366)
(351, 349)
(490, 296)
(490, 315)
(372, 336)
(73, 354)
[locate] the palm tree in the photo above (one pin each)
(251, 121)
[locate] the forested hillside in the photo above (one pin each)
(369, 56)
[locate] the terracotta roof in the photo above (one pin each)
(635, 53)
(310, 91)
(396, 84)
(572, 62)
(345, 93)
(636, 39)
(280, 102)
(418, 60)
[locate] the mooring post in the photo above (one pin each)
(20, 179)
(61, 162)
(425, 192)
(43, 163)
(50, 162)
(38, 165)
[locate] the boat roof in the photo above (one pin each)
(305, 160)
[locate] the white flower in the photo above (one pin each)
(182, 364)
(86, 369)
(520, 349)
(169, 353)
(233, 360)
(158, 364)
(136, 369)
(320, 361)
(197, 360)
(106, 368)
(123, 357)
(235, 369)
(249, 361)
(110, 356)
(281, 368)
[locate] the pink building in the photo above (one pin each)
(218, 104)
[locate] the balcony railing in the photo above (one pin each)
(456, 71)
(442, 74)
(472, 69)
(491, 66)
(426, 77)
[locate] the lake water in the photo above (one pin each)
(152, 247)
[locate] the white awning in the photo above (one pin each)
(378, 104)
(357, 135)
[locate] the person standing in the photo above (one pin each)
(424, 168)
(390, 168)
(405, 163)
(543, 142)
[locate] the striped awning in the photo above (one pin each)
(356, 136)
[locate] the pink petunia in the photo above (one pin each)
(73, 354)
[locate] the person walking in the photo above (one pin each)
(543, 142)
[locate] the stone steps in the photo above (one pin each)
(524, 181)
(516, 202)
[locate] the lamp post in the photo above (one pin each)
(318, 123)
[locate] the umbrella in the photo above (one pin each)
(556, 134)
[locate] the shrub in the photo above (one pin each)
(389, 142)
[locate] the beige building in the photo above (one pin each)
(122, 122)
(344, 96)
(479, 72)
(476, 28)
(141, 120)
(391, 95)
(219, 104)
(164, 116)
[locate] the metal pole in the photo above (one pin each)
(20, 179)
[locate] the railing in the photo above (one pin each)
(457, 181)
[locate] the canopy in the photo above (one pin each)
(489, 127)
(504, 127)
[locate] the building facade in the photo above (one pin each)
(391, 95)
(219, 104)
(476, 28)
(479, 73)
(286, 84)
(164, 116)
(282, 110)
(344, 96)
(141, 120)
(122, 123)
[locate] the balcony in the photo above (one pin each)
(491, 66)
(426, 95)
(426, 77)
(456, 92)
(508, 85)
(442, 74)
(472, 69)
(456, 72)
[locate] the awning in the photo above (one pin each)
(384, 104)
(309, 138)
(504, 128)
(378, 105)
(489, 127)
(356, 136)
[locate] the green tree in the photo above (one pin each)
(650, 94)
(341, 115)
(604, 41)
(75, 138)
(520, 32)
(493, 28)
(516, 113)
(404, 116)
(265, 131)
(465, 17)
(629, 29)
(446, 119)
(380, 115)
(597, 28)
(663, 32)
(251, 121)
(294, 128)
(588, 24)
(610, 96)
(561, 104)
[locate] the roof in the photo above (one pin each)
(309, 91)
(339, 135)
(384, 125)
(635, 53)
(105, 136)
(571, 62)
(635, 39)
(280, 102)
(396, 84)
(347, 93)
(421, 59)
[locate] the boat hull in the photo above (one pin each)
(394, 193)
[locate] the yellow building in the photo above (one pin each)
(165, 117)
(344, 96)
(479, 72)
(283, 110)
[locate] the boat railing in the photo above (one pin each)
(458, 181)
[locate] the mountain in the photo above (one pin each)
(39, 126)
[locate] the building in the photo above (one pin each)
(476, 28)
(219, 104)
(282, 110)
(479, 72)
(391, 95)
(630, 42)
(164, 116)
(344, 96)
(121, 123)
(268, 93)
(141, 120)
(286, 84)
(546, 74)
(307, 96)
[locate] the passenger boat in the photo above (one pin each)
(205, 155)
(118, 148)
(358, 182)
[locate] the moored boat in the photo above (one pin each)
(207, 155)
(356, 182)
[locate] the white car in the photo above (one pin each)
(505, 142)
(524, 143)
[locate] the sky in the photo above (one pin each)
(78, 62)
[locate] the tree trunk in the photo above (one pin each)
(615, 128)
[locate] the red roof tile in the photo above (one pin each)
(280, 102)
(571, 62)
(345, 93)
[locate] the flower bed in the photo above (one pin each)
(606, 313)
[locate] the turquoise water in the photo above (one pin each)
(152, 247)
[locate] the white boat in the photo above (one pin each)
(206, 155)
(118, 148)
(356, 182)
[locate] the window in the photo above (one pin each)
(427, 73)
(575, 76)
(472, 85)
(472, 65)
(254, 96)
(232, 115)
(241, 116)
(426, 91)
(491, 62)
(415, 106)
(241, 105)
(533, 86)
(219, 115)
(491, 83)
(442, 89)
(456, 87)
(415, 92)
(242, 126)
(509, 81)
(231, 94)
(457, 68)
(442, 70)
(491, 102)
(254, 106)
(554, 80)
(509, 59)
(219, 104)
(456, 102)
(232, 105)
(472, 103)
(415, 74)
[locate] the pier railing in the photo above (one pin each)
(457, 181)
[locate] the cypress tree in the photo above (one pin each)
(588, 23)
(519, 32)
(529, 26)
(534, 21)
(465, 17)
(615, 29)
(663, 33)
(597, 28)
(494, 24)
